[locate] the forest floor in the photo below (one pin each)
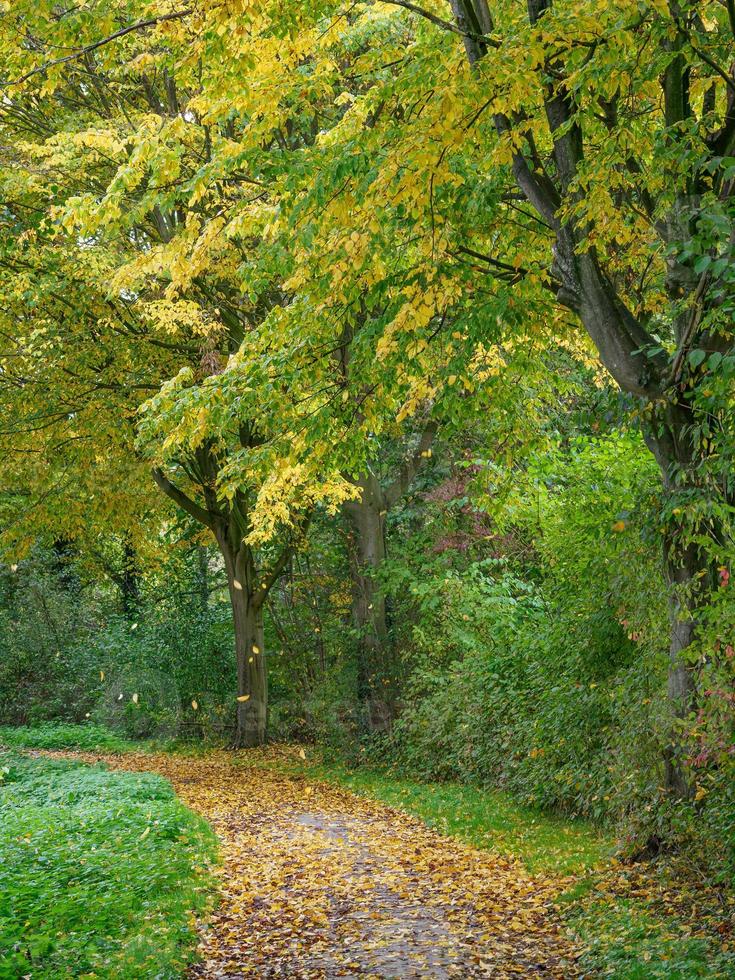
(328, 871)
(317, 882)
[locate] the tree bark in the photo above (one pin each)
(683, 566)
(366, 516)
(252, 678)
(376, 660)
(247, 621)
(690, 577)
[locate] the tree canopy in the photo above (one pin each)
(252, 254)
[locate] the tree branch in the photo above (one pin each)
(87, 49)
(268, 581)
(506, 272)
(181, 500)
(445, 25)
(692, 325)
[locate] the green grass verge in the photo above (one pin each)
(100, 872)
(58, 735)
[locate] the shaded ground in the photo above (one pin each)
(319, 883)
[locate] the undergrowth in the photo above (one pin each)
(101, 872)
(61, 735)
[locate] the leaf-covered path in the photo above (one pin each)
(319, 883)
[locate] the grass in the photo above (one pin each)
(628, 940)
(100, 872)
(58, 735)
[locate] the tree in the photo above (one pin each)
(110, 298)
(366, 515)
(249, 580)
(579, 173)
(443, 189)
(573, 102)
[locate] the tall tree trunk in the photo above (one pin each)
(247, 621)
(376, 659)
(248, 587)
(683, 569)
(252, 678)
(366, 517)
(690, 577)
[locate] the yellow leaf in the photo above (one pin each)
(195, 705)
(102, 675)
(302, 754)
(618, 526)
(135, 699)
(244, 697)
(145, 833)
(237, 585)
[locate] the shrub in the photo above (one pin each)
(545, 674)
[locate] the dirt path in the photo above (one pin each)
(319, 883)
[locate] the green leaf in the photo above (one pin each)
(696, 357)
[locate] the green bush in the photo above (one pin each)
(100, 872)
(544, 673)
(175, 647)
(539, 704)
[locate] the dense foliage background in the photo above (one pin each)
(367, 379)
(527, 644)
